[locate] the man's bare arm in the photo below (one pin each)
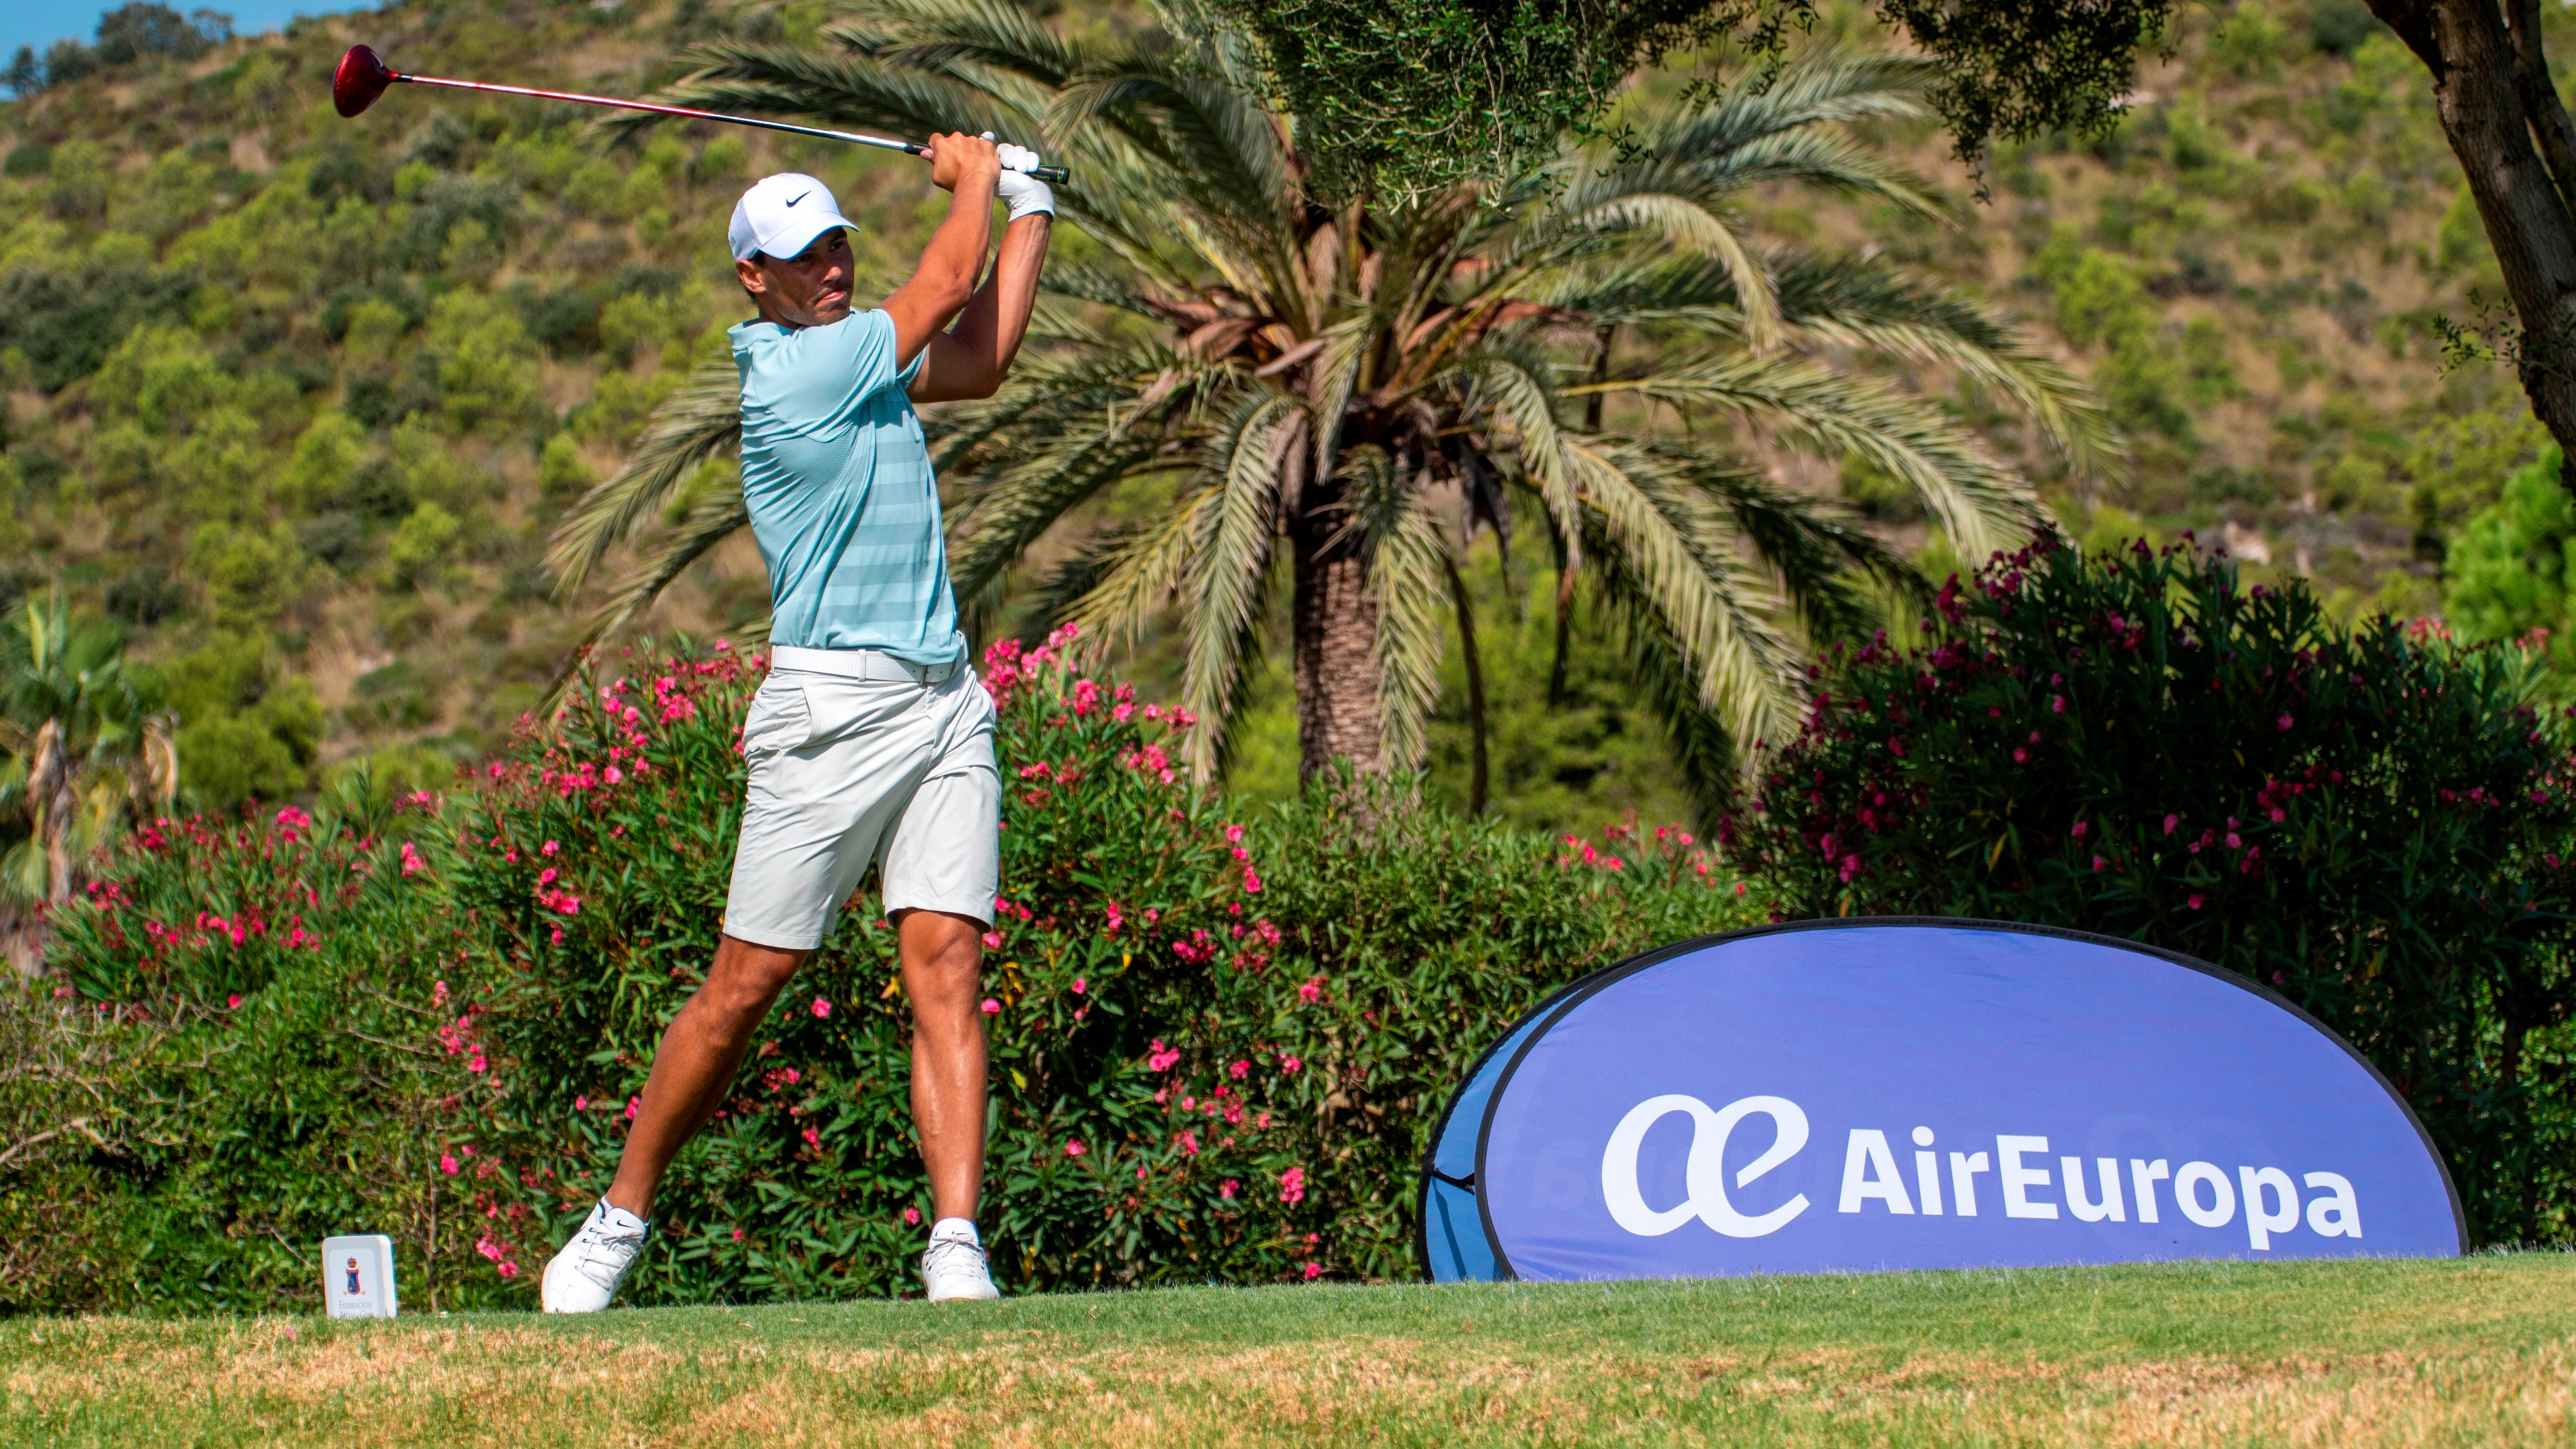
(944, 283)
(971, 359)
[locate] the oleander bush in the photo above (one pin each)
(1217, 1042)
(2373, 821)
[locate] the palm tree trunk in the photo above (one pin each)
(1336, 627)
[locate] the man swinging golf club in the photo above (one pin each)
(871, 733)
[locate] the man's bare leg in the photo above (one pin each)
(695, 1065)
(942, 959)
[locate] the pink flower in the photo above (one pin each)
(232, 1003)
(2170, 822)
(1292, 1185)
(1226, 1189)
(737, 1235)
(546, 877)
(1077, 986)
(1162, 1058)
(992, 1007)
(1313, 988)
(813, 1138)
(581, 1104)
(1074, 1148)
(822, 1008)
(2286, 722)
(546, 849)
(1239, 1069)
(1189, 1142)
(447, 1163)
(1314, 1271)
(612, 774)
(1289, 1064)
(2194, 902)
(992, 940)
(912, 1217)
(2057, 704)
(633, 1105)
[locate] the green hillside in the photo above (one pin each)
(297, 399)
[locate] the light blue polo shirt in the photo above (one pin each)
(838, 481)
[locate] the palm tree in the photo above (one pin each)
(1345, 393)
(84, 748)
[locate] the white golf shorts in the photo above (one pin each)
(850, 752)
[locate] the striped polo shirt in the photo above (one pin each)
(837, 478)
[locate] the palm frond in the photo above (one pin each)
(1227, 568)
(713, 519)
(1409, 559)
(1983, 505)
(701, 418)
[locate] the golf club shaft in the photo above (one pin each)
(1043, 173)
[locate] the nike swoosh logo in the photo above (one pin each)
(800, 196)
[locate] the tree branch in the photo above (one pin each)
(2540, 104)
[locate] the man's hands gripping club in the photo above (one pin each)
(970, 359)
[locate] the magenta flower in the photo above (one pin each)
(2194, 902)
(1077, 986)
(2079, 830)
(2286, 722)
(992, 940)
(912, 1217)
(2170, 822)
(1314, 1271)
(822, 1008)
(1292, 1185)
(447, 1163)
(1226, 1189)
(1074, 1148)
(813, 1138)
(992, 1007)
(1289, 1064)
(633, 1105)
(1238, 1070)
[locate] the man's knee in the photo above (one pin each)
(747, 979)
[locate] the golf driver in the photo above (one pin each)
(363, 76)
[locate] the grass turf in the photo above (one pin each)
(2477, 1351)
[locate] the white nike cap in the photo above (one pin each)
(781, 215)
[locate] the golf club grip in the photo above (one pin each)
(1053, 173)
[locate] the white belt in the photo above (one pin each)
(862, 664)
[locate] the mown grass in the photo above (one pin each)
(2480, 1351)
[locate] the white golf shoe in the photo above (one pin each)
(583, 1278)
(953, 1265)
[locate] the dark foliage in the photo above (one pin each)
(67, 324)
(2372, 822)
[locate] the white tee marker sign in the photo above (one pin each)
(358, 1276)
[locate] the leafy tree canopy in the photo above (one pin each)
(1407, 95)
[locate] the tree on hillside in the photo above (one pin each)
(85, 747)
(1334, 392)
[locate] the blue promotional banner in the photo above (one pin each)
(1900, 1093)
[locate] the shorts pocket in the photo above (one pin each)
(781, 719)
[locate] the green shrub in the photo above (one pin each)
(2372, 821)
(1216, 1045)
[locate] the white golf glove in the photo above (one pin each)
(1025, 194)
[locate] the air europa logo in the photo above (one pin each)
(2201, 1190)
(1706, 1175)
(1881, 1094)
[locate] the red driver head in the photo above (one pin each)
(359, 80)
